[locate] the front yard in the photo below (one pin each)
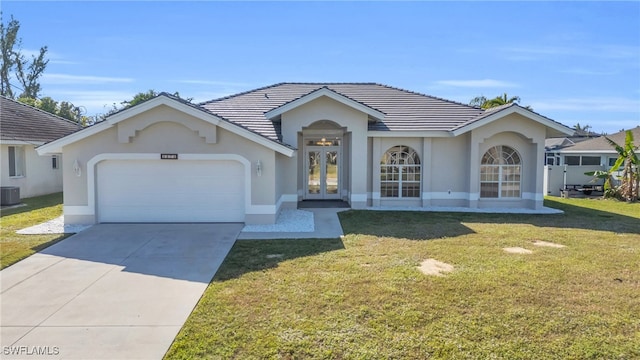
(15, 247)
(363, 297)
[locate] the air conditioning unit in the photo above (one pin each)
(10, 195)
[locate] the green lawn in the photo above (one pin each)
(362, 297)
(14, 247)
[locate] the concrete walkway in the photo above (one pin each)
(111, 292)
(326, 225)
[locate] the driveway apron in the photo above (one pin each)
(114, 291)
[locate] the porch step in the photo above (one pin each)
(322, 204)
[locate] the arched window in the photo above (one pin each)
(500, 171)
(400, 173)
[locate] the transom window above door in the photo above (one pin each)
(323, 141)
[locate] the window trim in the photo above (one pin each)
(55, 162)
(403, 170)
(17, 166)
(502, 177)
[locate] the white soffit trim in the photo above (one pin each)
(20, 142)
(519, 110)
(410, 133)
(57, 145)
(592, 152)
(330, 94)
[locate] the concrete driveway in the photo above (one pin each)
(114, 291)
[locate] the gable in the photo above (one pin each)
(129, 122)
(325, 92)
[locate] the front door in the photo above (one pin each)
(323, 172)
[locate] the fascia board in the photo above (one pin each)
(515, 109)
(568, 152)
(330, 94)
(411, 133)
(20, 142)
(55, 147)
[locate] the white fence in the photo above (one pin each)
(556, 177)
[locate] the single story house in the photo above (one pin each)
(244, 157)
(22, 129)
(571, 162)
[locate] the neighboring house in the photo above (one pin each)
(244, 157)
(553, 145)
(22, 129)
(571, 162)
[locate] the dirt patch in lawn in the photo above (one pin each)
(547, 244)
(435, 267)
(517, 250)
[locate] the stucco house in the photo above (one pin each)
(244, 157)
(571, 162)
(22, 129)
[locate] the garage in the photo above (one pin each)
(170, 191)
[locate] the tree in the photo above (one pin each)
(629, 188)
(483, 102)
(144, 96)
(63, 109)
(13, 61)
(8, 40)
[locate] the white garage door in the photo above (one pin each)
(170, 191)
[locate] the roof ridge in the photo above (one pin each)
(327, 87)
(42, 111)
(322, 84)
(427, 95)
(240, 94)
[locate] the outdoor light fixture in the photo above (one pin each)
(259, 168)
(76, 168)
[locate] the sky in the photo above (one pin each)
(574, 62)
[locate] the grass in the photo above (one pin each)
(15, 247)
(362, 297)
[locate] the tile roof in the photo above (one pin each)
(404, 110)
(600, 144)
(22, 122)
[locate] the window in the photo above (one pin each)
(400, 173)
(591, 160)
(500, 172)
(55, 162)
(572, 160)
(16, 161)
(575, 160)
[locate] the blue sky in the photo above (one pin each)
(575, 62)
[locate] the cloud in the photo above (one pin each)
(60, 79)
(610, 104)
(601, 51)
(92, 101)
(579, 71)
(485, 83)
(214, 83)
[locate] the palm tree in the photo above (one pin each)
(629, 188)
(485, 103)
(501, 100)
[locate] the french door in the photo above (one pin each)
(323, 168)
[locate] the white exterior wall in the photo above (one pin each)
(355, 122)
(39, 179)
(165, 130)
(527, 138)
